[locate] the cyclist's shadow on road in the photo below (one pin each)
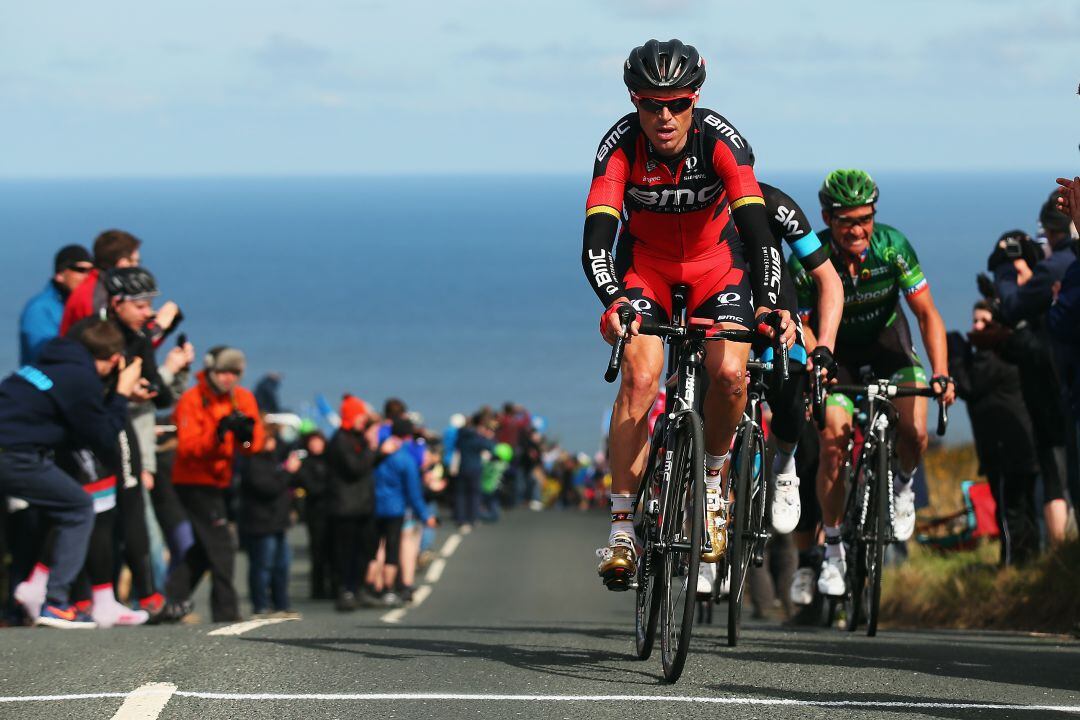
(521, 647)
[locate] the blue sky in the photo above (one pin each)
(371, 87)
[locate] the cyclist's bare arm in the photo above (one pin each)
(830, 305)
(933, 335)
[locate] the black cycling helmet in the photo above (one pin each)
(131, 283)
(664, 65)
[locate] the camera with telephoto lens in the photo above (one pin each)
(1012, 246)
(240, 425)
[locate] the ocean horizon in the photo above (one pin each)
(450, 292)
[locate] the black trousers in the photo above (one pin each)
(321, 553)
(214, 551)
(1014, 494)
(355, 547)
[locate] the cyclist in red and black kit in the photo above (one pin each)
(680, 181)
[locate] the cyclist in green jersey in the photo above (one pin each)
(876, 265)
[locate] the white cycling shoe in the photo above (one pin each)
(802, 586)
(786, 505)
(831, 581)
(904, 517)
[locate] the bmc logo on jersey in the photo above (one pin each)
(725, 130)
(612, 140)
(676, 198)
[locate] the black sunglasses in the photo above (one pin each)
(674, 105)
(80, 268)
(850, 221)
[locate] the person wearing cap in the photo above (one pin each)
(40, 318)
(351, 459)
(397, 486)
(215, 420)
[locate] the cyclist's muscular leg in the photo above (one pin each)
(628, 437)
(726, 398)
(911, 437)
(643, 362)
(834, 440)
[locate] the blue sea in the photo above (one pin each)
(449, 292)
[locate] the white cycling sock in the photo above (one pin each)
(622, 514)
(714, 462)
(833, 546)
(784, 462)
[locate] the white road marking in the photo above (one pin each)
(438, 565)
(242, 627)
(167, 690)
(450, 545)
(146, 702)
(435, 571)
(394, 616)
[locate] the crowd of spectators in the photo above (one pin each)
(1015, 369)
(124, 480)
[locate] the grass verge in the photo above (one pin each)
(967, 590)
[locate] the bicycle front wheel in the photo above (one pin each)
(882, 526)
(741, 532)
(682, 526)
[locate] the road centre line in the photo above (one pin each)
(394, 616)
(146, 702)
(450, 545)
(779, 702)
(242, 627)
(435, 570)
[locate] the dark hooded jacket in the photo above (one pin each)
(58, 400)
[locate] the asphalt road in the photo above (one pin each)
(515, 624)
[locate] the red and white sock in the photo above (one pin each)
(108, 611)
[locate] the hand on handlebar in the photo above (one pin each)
(611, 324)
(770, 322)
(821, 359)
(944, 386)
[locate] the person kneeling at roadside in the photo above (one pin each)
(397, 485)
(59, 400)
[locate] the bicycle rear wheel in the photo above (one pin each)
(881, 524)
(741, 530)
(647, 605)
(682, 525)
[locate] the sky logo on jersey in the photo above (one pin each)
(612, 140)
(725, 130)
(786, 217)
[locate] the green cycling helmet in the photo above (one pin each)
(847, 188)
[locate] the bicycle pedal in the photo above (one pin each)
(618, 580)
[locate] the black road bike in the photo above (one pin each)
(670, 507)
(868, 506)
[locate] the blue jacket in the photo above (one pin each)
(1064, 325)
(397, 484)
(1031, 300)
(39, 322)
(471, 445)
(60, 399)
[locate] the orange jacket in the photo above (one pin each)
(201, 458)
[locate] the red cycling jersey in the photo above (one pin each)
(676, 214)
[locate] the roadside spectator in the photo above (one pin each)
(40, 318)
(351, 459)
(59, 400)
(1004, 442)
(112, 249)
(397, 487)
(1069, 199)
(215, 420)
(267, 393)
(314, 477)
(265, 502)
(472, 441)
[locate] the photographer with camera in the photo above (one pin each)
(1020, 297)
(215, 420)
